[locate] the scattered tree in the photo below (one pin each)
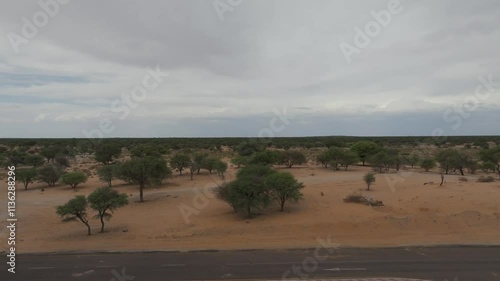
(108, 173)
(428, 163)
(49, 152)
(221, 168)
(49, 174)
(26, 176)
(145, 171)
(105, 199)
(292, 157)
(491, 155)
(364, 149)
(36, 160)
(369, 179)
(210, 163)
(75, 209)
(283, 187)
(106, 152)
(180, 161)
(73, 179)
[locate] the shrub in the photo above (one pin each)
(360, 199)
(462, 179)
(486, 179)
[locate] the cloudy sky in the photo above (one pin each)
(248, 68)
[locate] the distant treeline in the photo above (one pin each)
(278, 142)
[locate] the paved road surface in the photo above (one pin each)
(441, 263)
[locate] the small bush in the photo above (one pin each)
(360, 199)
(486, 179)
(462, 179)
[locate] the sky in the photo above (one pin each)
(214, 68)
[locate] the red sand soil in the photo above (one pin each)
(414, 214)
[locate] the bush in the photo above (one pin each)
(462, 179)
(486, 179)
(360, 199)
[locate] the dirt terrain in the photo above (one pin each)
(414, 214)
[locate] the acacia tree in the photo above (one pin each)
(105, 199)
(180, 161)
(364, 149)
(73, 179)
(249, 192)
(492, 156)
(198, 160)
(143, 171)
(369, 179)
(210, 163)
(284, 187)
(292, 157)
(221, 167)
(35, 160)
(49, 174)
(428, 164)
(49, 152)
(106, 152)
(107, 173)
(75, 209)
(26, 176)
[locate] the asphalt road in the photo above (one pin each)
(436, 263)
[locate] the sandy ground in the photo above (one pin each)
(415, 214)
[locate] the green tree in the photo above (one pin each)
(451, 159)
(108, 173)
(143, 150)
(105, 201)
(26, 176)
(73, 179)
(75, 209)
(249, 192)
(198, 161)
(412, 159)
(428, 163)
(180, 161)
(369, 179)
(292, 157)
(491, 155)
(36, 160)
(380, 161)
(239, 161)
(283, 187)
(249, 148)
(347, 159)
(266, 157)
(49, 152)
(365, 149)
(107, 152)
(143, 171)
(49, 174)
(221, 167)
(209, 163)
(488, 166)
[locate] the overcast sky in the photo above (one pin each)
(249, 67)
